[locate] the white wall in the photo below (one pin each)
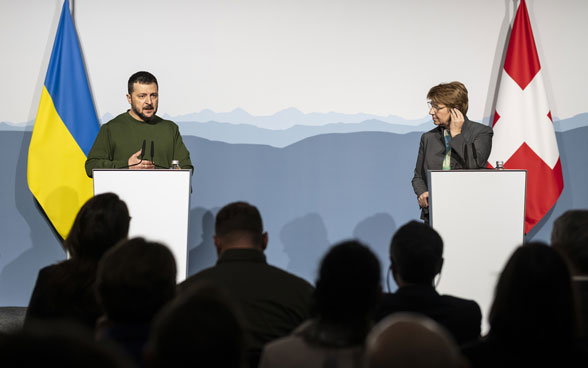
(348, 56)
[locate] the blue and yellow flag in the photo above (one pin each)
(64, 131)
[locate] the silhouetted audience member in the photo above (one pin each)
(347, 291)
(533, 316)
(200, 328)
(135, 280)
(66, 290)
(570, 236)
(416, 256)
(411, 341)
(272, 301)
(58, 344)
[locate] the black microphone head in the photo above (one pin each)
(143, 149)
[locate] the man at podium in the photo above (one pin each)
(455, 143)
(138, 139)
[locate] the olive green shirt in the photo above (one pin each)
(123, 136)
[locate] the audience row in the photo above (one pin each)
(115, 303)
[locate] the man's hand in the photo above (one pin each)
(135, 163)
(456, 122)
(423, 200)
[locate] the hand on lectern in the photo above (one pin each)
(423, 200)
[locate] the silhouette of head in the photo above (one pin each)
(199, 328)
(411, 341)
(416, 254)
(135, 279)
(239, 225)
(570, 236)
(305, 238)
(533, 300)
(348, 286)
(101, 223)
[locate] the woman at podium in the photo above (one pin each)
(455, 143)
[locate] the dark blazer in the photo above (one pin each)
(65, 291)
(581, 290)
(491, 352)
(461, 317)
(272, 301)
(469, 150)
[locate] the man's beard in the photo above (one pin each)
(141, 115)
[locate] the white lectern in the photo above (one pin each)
(480, 214)
(159, 205)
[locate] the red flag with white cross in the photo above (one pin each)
(524, 136)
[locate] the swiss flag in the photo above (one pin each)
(524, 137)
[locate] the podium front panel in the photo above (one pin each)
(480, 215)
(159, 205)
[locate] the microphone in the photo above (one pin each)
(466, 157)
(152, 151)
(153, 154)
(143, 149)
(475, 153)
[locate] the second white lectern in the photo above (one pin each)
(480, 214)
(159, 205)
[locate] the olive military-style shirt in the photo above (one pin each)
(122, 136)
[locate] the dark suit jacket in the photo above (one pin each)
(581, 290)
(469, 150)
(272, 301)
(492, 352)
(461, 317)
(65, 291)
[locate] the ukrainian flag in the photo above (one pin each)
(64, 131)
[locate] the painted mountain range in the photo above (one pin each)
(312, 193)
(290, 125)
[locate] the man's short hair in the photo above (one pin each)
(141, 77)
(135, 279)
(240, 219)
(348, 286)
(200, 328)
(453, 95)
(570, 236)
(417, 250)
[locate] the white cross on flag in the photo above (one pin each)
(524, 137)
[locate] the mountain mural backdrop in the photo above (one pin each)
(312, 192)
